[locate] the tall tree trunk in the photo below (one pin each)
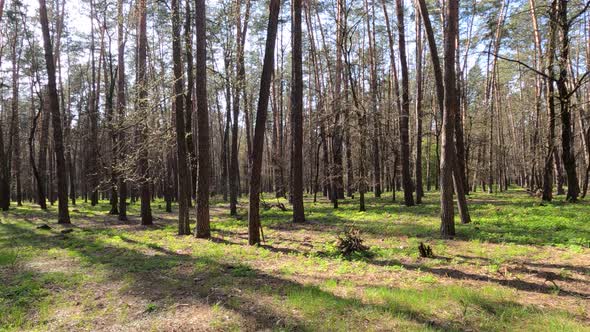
(405, 110)
(395, 90)
(204, 156)
(451, 108)
(550, 95)
(183, 157)
(277, 139)
(539, 87)
(567, 138)
(92, 158)
(62, 183)
(145, 195)
(361, 120)
(254, 226)
(4, 184)
(109, 86)
(337, 179)
(44, 148)
(297, 115)
(491, 92)
(374, 105)
(225, 156)
(39, 179)
(15, 123)
(121, 104)
(234, 167)
(419, 94)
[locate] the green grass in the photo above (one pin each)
(111, 274)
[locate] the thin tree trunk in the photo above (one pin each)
(419, 94)
(39, 179)
(550, 95)
(234, 168)
(188, 106)
(374, 105)
(121, 104)
(15, 123)
(336, 174)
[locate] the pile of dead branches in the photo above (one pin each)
(350, 242)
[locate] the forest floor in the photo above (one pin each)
(520, 265)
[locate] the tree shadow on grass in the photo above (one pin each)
(185, 278)
(518, 284)
(527, 265)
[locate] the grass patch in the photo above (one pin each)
(121, 275)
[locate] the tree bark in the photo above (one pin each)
(447, 145)
(336, 173)
(15, 123)
(550, 95)
(183, 174)
(145, 194)
(62, 184)
(254, 226)
(419, 96)
(188, 105)
(204, 157)
(234, 167)
(121, 104)
(405, 110)
(567, 138)
(374, 105)
(297, 115)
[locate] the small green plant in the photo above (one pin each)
(429, 279)
(494, 268)
(8, 257)
(242, 271)
(151, 307)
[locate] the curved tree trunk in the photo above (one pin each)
(254, 226)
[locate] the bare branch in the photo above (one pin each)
(524, 65)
